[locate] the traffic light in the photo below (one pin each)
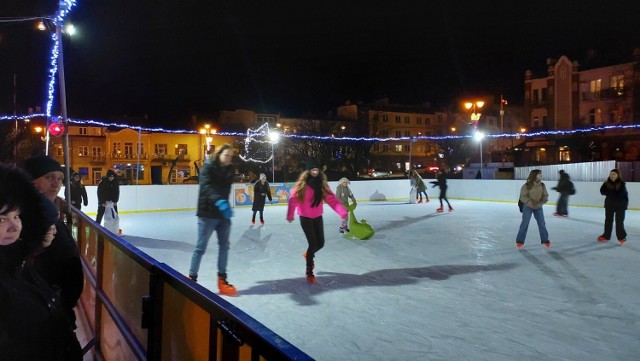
(56, 129)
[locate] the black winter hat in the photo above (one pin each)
(312, 163)
(41, 165)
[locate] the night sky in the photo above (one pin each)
(172, 59)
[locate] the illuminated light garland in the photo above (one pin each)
(58, 20)
(253, 136)
(315, 137)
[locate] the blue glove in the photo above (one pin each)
(223, 206)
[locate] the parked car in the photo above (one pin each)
(380, 173)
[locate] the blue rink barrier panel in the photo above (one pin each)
(136, 308)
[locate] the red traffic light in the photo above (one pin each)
(56, 129)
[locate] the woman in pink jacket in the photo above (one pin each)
(307, 196)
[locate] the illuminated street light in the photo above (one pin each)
(208, 133)
(475, 108)
(479, 136)
(274, 138)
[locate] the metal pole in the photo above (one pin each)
(481, 158)
(273, 169)
(410, 151)
(63, 111)
(15, 112)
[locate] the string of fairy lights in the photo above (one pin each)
(260, 138)
(261, 134)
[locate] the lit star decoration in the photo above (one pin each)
(265, 133)
(58, 20)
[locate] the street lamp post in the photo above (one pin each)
(274, 138)
(208, 133)
(479, 136)
(475, 108)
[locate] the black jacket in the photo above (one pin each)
(616, 194)
(260, 194)
(59, 264)
(109, 190)
(78, 194)
(33, 324)
(215, 184)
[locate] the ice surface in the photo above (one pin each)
(427, 285)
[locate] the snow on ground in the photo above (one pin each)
(427, 285)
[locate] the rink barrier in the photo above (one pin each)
(136, 308)
(169, 198)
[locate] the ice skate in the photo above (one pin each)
(622, 241)
(519, 244)
(602, 238)
(420, 201)
(262, 221)
(225, 287)
(193, 278)
(546, 244)
(253, 220)
(311, 278)
(450, 209)
(440, 210)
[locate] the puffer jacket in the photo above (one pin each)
(535, 197)
(616, 194)
(215, 184)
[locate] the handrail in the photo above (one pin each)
(233, 334)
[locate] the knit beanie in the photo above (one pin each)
(311, 163)
(40, 165)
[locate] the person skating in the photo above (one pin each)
(565, 188)
(615, 206)
(214, 214)
(343, 192)
(534, 195)
(421, 187)
(441, 181)
(307, 196)
(261, 191)
(108, 191)
(78, 192)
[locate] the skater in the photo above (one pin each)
(565, 188)
(307, 196)
(78, 192)
(261, 191)
(615, 206)
(442, 183)
(214, 213)
(534, 195)
(344, 194)
(418, 183)
(108, 190)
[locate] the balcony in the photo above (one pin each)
(605, 94)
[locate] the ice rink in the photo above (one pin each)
(427, 285)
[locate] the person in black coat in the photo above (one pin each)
(78, 191)
(59, 264)
(108, 191)
(261, 191)
(565, 188)
(33, 323)
(442, 183)
(615, 206)
(214, 214)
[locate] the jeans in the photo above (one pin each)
(524, 225)
(563, 203)
(206, 226)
